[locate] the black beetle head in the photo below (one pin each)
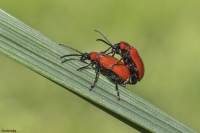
(85, 56)
(116, 48)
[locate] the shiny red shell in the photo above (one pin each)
(94, 56)
(120, 69)
(135, 58)
(138, 62)
(106, 61)
(124, 46)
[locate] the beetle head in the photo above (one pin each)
(85, 56)
(116, 49)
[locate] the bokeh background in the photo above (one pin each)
(166, 34)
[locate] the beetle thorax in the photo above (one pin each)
(124, 46)
(93, 56)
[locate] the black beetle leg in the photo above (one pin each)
(128, 80)
(117, 89)
(115, 63)
(84, 66)
(96, 78)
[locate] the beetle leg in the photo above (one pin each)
(128, 80)
(108, 53)
(96, 78)
(117, 89)
(84, 66)
(113, 54)
(107, 50)
(115, 63)
(119, 59)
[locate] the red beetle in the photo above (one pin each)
(129, 55)
(101, 63)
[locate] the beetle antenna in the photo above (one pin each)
(105, 42)
(108, 42)
(72, 49)
(70, 55)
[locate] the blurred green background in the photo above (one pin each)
(166, 34)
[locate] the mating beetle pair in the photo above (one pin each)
(129, 72)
